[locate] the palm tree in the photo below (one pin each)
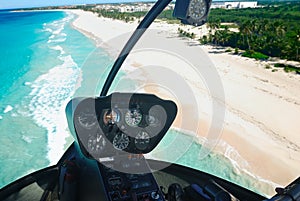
(245, 29)
(297, 44)
(280, 30)
(213, 26)
(213, 31)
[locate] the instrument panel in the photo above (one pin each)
(130, 186)
(119, 123)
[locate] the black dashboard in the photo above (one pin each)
(123, 185)
(120, 123)
(116, 131)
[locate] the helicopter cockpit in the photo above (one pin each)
(114, 132)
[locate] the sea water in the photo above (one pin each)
(44, 63)
(41, 68)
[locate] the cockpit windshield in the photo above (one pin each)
(235, 81)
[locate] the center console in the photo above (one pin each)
(116, 131)
(128, 178)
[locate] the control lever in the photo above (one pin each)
(175, 193)
(210, 192)
(68, 180)
(289, 193)
(217, 192)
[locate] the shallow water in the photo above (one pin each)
(40, 67)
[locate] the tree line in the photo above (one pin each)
(271, 30)
(166, 15)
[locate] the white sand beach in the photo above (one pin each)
(262, 107)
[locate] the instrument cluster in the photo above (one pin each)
(120, 123)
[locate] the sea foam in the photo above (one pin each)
(59, 48)
(56, 29)
(26, 139)
(8, 109)
(27, 83)
(51, 92)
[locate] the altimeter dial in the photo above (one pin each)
(152, 120)
(87, 119)
(133, 117)
(96, 144)
(121, 141)
(142, 140)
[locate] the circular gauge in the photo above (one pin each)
(111, 117)
(142, 140)
(87, 119)
(121, 141)
(197, 9)
(152, 121)
(133, 117)
(96, 144)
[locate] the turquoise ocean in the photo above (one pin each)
(44, 62)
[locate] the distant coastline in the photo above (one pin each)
(233, 31)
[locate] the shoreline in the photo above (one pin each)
(275, 144)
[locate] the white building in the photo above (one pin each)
(234, 4)
(132, 7)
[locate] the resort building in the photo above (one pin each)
(234, 4)
(137, 7)
(130, 7)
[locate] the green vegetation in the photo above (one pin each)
(267, 66)
(270, 30)
(183, 33)
(236, 50)
(287, 11)
(228, 50)
(227, 26)
(288, 68)
(204, 40)
(255, 55)
(166, 15)
(114, 14)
